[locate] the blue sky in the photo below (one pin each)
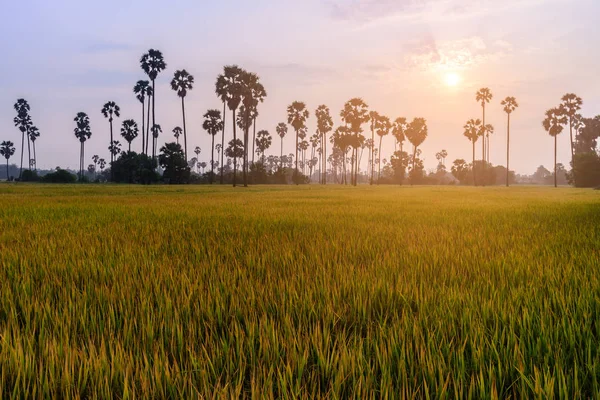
(67, 56)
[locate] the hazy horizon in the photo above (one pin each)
(66, 57)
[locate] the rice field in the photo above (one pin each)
(299, 292)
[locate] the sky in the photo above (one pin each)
(66, 56)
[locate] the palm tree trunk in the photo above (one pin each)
(129, 146)
(245, 165)
(34, 156)
(507, 149)
(112, 156)
(413, 163)
(29, 151)
(555, 143)
(372, 147)
(483, 148)
(143, 125)
(281, 156)
(234, 141)
(379, 153)
(253, 137)
(223, 142)
(153, 117)
(22, 151)
(184, 128)
(7, 177)
(212, 160)
(296, 159)
(148, 127)
(473, 165)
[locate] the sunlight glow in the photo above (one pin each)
(452, 79)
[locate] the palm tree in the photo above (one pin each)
(115, 148)
(110, 110)
(212, 124)
(102, 164)
(281, 130)
(324, 126)
(382, 128)
(7, 149)
(142, 89)
(34, 133)
(177, 131)
(416, 133)
(152, 64)
(263, 142)
(23, 122)
(156, 130)
(221, 89)
(483, 96)
(183, 82)
(95, 159)
(399, 131)
(553, 124)
(486, 132)
(355, 113)
(82, 132)
(373, 117)
(510, 104)
(472, 129)
(297, 116)
(571, 104)
(129, 131)
(258, 94)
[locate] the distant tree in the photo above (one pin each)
(235, 149)
(156, 131)
(212, 124)
(23, 122)
(483, 96)
(152, 64)
(143, 90)
(229, 89)
(571, 104)
(114, 149)
(354, 114)
(461, 170)
(173, 162)
(111, 110)
(416, 133)
(82, 132)
(553, 124)
(129, 131)
(34, 133)
(281, 130)
(135, 168)
(177, 131)
(510, 104)
(373, 118)
(297, 116)
(399, 162)
(486, 132)
(7, 150)
(95, 159)
(586, 170)
(382, 128)
(182, 83)
(324, 126)
(263, 142)
(102, 164)
(471, 132)
(588, 132)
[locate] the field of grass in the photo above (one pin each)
(180, 292)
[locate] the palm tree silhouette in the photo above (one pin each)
(281, 130)
(34, 133)
(221, 87)
(263, 142)
(553, 124)
(152, 64)
(510, 104)
(229, 88)
(399, 131)
(129, 131)
(354, 114)
(212, 124)
(487, 131)
(483, 96)
(382, 128)
(254, 94)
(297, 116)
(142, 89)
(102, 164)
(571, 104)
(416, 133)
(177, 131)
(471, 131)
(95, 159)
(23, 122)
(82, 132)
(110, 110)
(7, 149)
(373, 118)
(156, 130)
(182, 83)
(114, 148)
(324, 126)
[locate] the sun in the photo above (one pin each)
(452, 79)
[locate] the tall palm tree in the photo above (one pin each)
(487, 130)
(7, 149)
(416, 133)
(354, 114)
(143, 90)
(182, 83)
(212, 124)
(102, 164)
(82, 132)
(229, 89)
(258, 94)
(34, 133)
(177, 131)
(221, 89)
(115, 148)
(510, 104)
(23, 122)
(553, 124)
(156, 130)
(111, 110)
(297, 116)
(129, 131)
(571, 104)
(382, 128)
(399, 131)
(472, 129)
(95, 159)
(373, 117)
(324, 126)
(263, 142)
(483, 96)
(281, 130)
(152, 64)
